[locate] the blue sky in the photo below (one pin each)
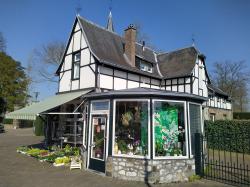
(221, 27)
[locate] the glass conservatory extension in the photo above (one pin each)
(134, 127)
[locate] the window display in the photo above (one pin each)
(169, 129)
(131, 128)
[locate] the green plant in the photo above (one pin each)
(59, 153)
(76, 151)
(241, 115)
(193, 178)
(64, 160)
(23, 149)
(159, 150)
(122, 146)
(7, 121)
(228, 135)
(50, 158)
(39, 127)
(177, 151)
(34, 152)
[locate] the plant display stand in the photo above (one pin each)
(76, 163)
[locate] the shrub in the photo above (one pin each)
(7, 121)
(233, 135)
(241, 115)
(39, 127)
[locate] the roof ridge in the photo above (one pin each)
(103, 28)
(99, 26)
(178, 49)
(146, 47)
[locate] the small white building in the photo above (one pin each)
(134, 110)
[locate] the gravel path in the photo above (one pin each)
(17, 170)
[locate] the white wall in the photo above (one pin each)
(120, 83)
(200, 79)
(219, 102)
(65, 82)
(77, 42)
(124, 80)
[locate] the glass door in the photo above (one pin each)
(98, 142)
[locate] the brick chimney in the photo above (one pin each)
(130, 37)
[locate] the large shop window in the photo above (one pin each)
(131, 128)
(169, 129)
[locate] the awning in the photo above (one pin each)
(30, 112)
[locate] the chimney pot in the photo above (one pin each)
(143, 45)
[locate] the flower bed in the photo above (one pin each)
(55, 155)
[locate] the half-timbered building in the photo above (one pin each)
(133, 110)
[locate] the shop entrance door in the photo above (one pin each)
(98, 143)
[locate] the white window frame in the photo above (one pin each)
(74, 63)
(96, 112)
(99, 111)
(85, 126)
(186, 132)
(202, 125)
(149, 134)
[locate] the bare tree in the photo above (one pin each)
(143, 37)
(44, 61)
(2, 43)
(232, 78)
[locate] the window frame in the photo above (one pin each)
(74, 63)
(147, 65)
(96, 112)
(186, 131)
(149, 130)
(189, 130)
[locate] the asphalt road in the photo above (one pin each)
(17, 170)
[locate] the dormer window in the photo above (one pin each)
(143, 65)
(76, 65)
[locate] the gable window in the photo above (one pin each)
(143, 65)
(76, 65)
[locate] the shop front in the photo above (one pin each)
(138, 135)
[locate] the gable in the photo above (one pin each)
(76, 42)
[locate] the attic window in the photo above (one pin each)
(143, 65)
(76, 65)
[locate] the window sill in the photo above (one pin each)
(131, 156)
(171, 158)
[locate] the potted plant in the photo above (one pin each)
(177, 152)
(126, 117)
(122, 146)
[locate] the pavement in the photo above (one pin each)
(17, 170)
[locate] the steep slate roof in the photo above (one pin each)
(178, 63)
(107, 47)
(217, 90)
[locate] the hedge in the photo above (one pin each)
(7, 121)
(39, 127)
(241, 115)
(233, 135)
